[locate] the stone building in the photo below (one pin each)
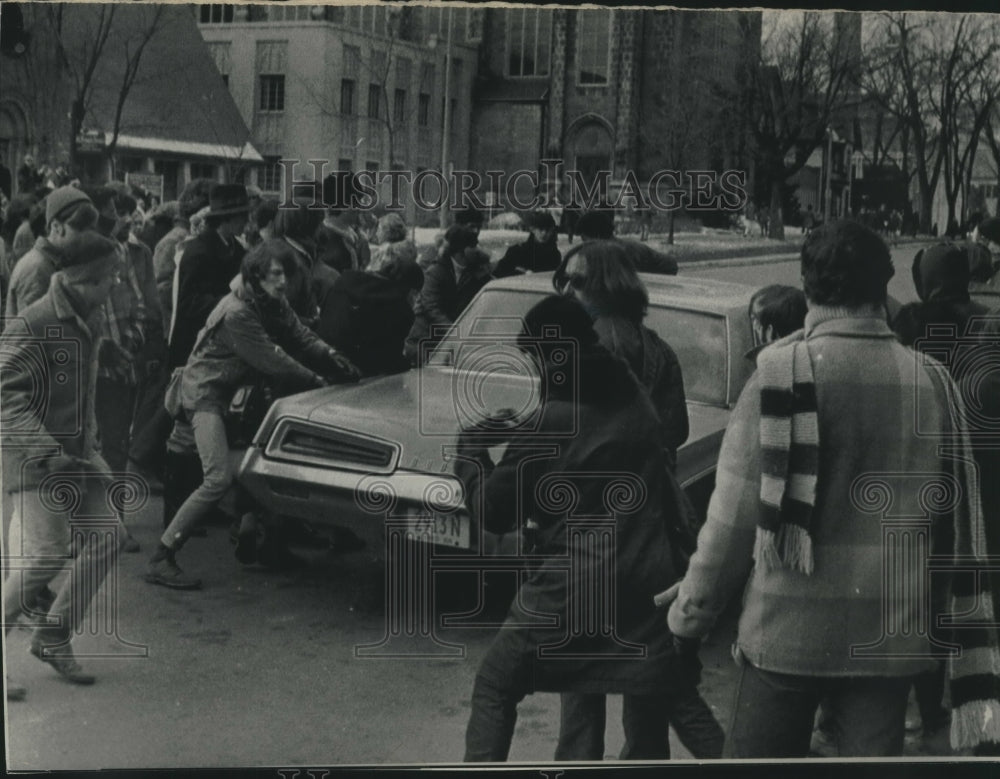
(611, 90)
(361, 87)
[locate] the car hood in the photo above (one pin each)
(423, 411)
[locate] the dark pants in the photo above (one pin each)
(114, 405)
(929, 688)
(582, 723)
(182, 475)
(773, 714)
(152, 429)
(494, 715)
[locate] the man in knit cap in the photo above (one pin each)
(68, 212)
(50, 450)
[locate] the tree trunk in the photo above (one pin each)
(776, 221)
(670, 229)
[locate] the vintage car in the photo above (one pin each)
(378, 454)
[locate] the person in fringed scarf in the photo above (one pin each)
(844, 449)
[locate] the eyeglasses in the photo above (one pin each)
(575, 281)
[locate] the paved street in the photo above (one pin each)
(259, 667)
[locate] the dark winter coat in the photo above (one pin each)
(530, 256)
(443, 297)
(367, 317)
(207, 267)
(613, 457)
(656, 366)
(341, 250)
(242, 340)
(647, 259)
(52, 334)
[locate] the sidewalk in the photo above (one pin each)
(708, 248)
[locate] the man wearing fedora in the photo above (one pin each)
(208, 265)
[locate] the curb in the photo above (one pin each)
(774, 257)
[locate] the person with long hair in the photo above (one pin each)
(251, 332)
(602, 277)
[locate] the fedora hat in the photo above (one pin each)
(227, 199)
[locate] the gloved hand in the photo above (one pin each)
(688, 666)
(345, 371)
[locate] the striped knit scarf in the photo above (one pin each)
(974, 671)
(789, 442)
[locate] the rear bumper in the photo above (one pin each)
(365, 504)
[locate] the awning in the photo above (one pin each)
(190, 148)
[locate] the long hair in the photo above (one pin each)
(611, 282)
(257, 262)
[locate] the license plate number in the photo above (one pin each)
(443, 529)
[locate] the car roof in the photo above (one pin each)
(700, 293)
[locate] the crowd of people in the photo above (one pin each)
(189, 326)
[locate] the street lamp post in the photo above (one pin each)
(446, 120)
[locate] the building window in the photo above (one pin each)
(201, 170)
(347, 96)
(293, 13)
(345, 164)
(217, 14)
(371, 166)
(474, 25)
(272, 93)
(424, 109)
(529, 33)
(426, 77)
(399, 106)
(593, 47)
(374, 101)
(374, 19)
(269, 177)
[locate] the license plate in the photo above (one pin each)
(444, 529)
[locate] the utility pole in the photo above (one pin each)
(446, 123)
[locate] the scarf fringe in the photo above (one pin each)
(975, 723)
(790, 546)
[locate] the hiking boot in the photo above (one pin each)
(167, 573)
(130, 545)
(63, 661)
(14, 691)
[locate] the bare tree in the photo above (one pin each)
(94, 45)
(928, 70)
(131, 45)
(991, 132)
(673, 124)
(802, 79)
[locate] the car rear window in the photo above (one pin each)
(698, 338)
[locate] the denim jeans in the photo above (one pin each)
(213, 449)
(39, 549)
(773, 714)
